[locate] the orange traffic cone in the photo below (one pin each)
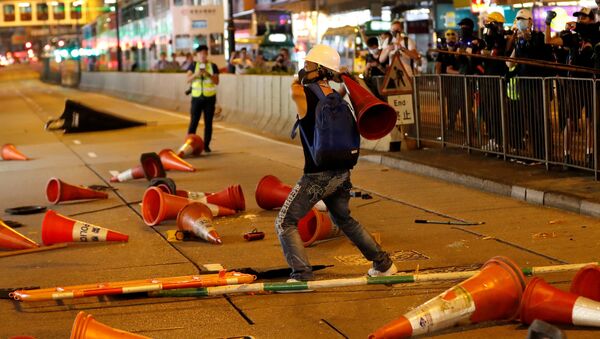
(171, 161)
(544, 302)
(271, 192)
(86, 327)
(193, 145)
(10, 152)
(57, 191)
(196, 218)
(587, 282)
(491, 294)
(150, 167)
(219, 211)
(57, 228)
(232, 197)
(13, 240)
(375, 118)
(316, 225)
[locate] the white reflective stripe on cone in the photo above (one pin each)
(320, 205)
(586, 312)
(197, 196)
(88, 232)
(202, 227)
(186, 149)
(125, 175)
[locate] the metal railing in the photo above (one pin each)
(547, 120)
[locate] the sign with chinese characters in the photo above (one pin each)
(403, 104)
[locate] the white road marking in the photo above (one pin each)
(92, 155)
(77, 142)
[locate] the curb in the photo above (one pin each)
(530, 195)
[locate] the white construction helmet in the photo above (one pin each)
(523, 14)
(325, 56)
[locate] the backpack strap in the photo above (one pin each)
(315, 88)
(295, 128)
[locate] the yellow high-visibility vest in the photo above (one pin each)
(204, 87)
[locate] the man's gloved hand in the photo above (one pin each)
(550, 15)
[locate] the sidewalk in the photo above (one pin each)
(573, 190)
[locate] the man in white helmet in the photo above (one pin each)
(328, 183)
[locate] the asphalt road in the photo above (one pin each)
(529, 235)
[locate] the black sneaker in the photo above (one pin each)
(207, 149)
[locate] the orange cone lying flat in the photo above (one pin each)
(57, 228)
(57, 191)
(13, 240)
(150, 167)
(232, 197)
(544, 302)
(316, 225)
(587, 282)
(271, 192)
(193, 145)
(196, 218)
(10, 152)
(86, 327)
(171, 161)
(492, 294)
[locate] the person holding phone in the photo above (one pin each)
(203, 76)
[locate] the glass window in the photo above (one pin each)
(178, 2)
(42, 11)
(25, 11)
(58, 10)
(216, 44)
(76, 10)
(9, 12)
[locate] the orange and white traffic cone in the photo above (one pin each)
(57, 191)
(232, 197)
(10, 152)
(86, 327)
(544, 302)
(13, 240)
(316, 225)
(196, 218)
(57, 228)
(271, 192)
(587, 282)
(492, 294)
(150, 167)
(171, 161)
(193, 145)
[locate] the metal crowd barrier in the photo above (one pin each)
(545, 120)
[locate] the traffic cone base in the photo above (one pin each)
(587, 282)
(491, 294)
(10, 152)
(86, 327)
(152, 166)
(130, 174)
(57, 228)
(316, 225)
(171, 161)
(57, 191)
(158, 206)
(13, 240)
(193, 145)
(545, 302)
(271, 193)
(197, 218)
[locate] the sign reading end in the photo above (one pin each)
(403, 104)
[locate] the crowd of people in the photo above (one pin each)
(241, 62)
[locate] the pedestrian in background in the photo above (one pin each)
(189, 61)
(162, 64)
(243, 63)
(204, 78)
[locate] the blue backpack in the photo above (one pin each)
(336, 141)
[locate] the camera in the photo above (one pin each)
(188, 91)
(202, 67)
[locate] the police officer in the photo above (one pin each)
(204, 78)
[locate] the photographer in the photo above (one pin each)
(204, 78)
(279, 65)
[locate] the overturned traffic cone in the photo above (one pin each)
(232, 197)
(316, 225)
(171, 161)
(150, 167)
(167, 185)
(57, 228)
(544, 302)
(193, 145)
(158, 206)
(492, 294)
(13, 240)
(196, 218)
(10, 152)
(57, 191)
(86, 327)
(271, 192)
(587, 282)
